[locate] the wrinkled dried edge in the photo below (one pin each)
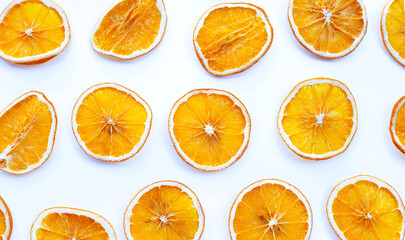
(393, 123)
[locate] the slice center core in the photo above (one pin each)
(272, 223)
(29, 32)
(327, 14)
(209, 129)
(319, 118)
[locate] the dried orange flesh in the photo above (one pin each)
(400, 124)
(31, 28)
(3, 225)
(395, 26)
(166, 213)
(364, 210)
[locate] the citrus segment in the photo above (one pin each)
(231, 37)
(318, 119)
(210, 129)
(270, 209)
(111, 122)
(165, 210)
(6, 221)
(130, 28)
(27, 133)
(397, 125)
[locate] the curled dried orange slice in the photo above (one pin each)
(165, 210)
(130, 28)
(27, 133)
(231, 37)
(270, 209)
(328, 28)
(364, 207)
(210, 129)
(110, 122)
(69, 223)
(33, 31)
(397, 125)
(6, 221)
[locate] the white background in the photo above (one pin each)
(71, 178)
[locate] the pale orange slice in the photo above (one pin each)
(111, 122)
(62, 223)
(27, 133)
(6, 221)
(210, 129)
(130, 28)
(33, 31)
(270, 209)
(165, 210)
(231, 37)
(393, 29)
(328, 28)
(397, 125)
(364, 207)
(318, 119)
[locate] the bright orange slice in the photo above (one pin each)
(231, 37)
(318, 119)
(110, 122)
(27, 133)
(364, 207)
(165, 210)
(64, 223)
(33, 31)
(210, 129)
(328, 28)
(397, 125)
(130, 28)
(270, 209)
(393, 29)
(6, 221)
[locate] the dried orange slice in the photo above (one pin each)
(165, 210)
(397, 125)
(6, 221)
(27, 133)
(270, 209)
(364, 207)
(328, 28)
(231, 37)
(111, 122)
(393, 29)
(130, 28)
(210, 129)
(69, 223)
(33, 31)
(318, 119)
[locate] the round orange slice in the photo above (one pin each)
(165, 210)
(33, 31)
(130, 28)
(70, 223)
(397, 125)
(328, 28)
(210, 129)
(6, 221)
(364, 207)
(393, 29)
(318, 119)
(111, 122)
(231, 37)
(270, 209)
(27, 133)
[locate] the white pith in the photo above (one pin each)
(163, 22)
(354, 45)
(394, 123)
(49, 54)
(292, 95)
(3, 155)
(260, 14)
(299, 195)
(61, 210)
(3, 208)
(353, 180)
(137, 147)
(246, 131)
(184, 188)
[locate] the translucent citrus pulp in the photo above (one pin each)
(270, 209)
(33, 31)
(397, 125)
(130, 28)
(111, 122)
(210, 129)
(27, 133)
(328, 28)
(6, 221)
(318, 119)
(365, 207)
(165, 210)
(393, 29)
(231, 37)
(68, 223)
